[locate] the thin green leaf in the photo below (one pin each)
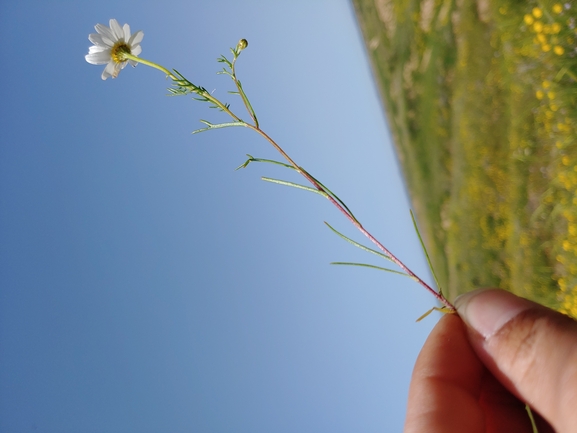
(443, 310)
(247, 162)
(332, 194)
(425, 315)
(356, 244)
(253, 159)
(365, 265)
(326, 190)
(223, 59)
(426, 253)
(217, 126)
(294, 185)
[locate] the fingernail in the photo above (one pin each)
(487, 310)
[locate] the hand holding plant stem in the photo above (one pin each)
(115, 46)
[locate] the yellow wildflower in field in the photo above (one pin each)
(546, 48)
(570, 303)
(537, 12)
(557, 8)
(555, 28)
(538, 26)
(559, 50)
(528, 19)
(562, 127)
(539, 94)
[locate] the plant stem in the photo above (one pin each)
(247, 104)
(439, 296)
(204, 94)
(255, 127)
(128, 56)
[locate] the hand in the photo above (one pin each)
(477, 370)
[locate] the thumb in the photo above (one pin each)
(530, 349)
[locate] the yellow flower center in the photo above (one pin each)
(118, 51)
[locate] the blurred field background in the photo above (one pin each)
(481, 99)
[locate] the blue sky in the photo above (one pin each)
(147, 286)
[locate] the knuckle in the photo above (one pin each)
(520, 339)
(537, 350)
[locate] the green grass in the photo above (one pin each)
(480, 97)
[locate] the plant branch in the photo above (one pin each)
(184, 86)
(439, 296)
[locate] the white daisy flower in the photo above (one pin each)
(110, 46)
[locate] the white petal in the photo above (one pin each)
(98, 58)
(126, 31)
(116, 30)
(136, 50)
(105, 32)
(108, 70)
(136, 38)
(97, 49)
(108, 40)
(97, 39)
(133, 63)
(117, 68)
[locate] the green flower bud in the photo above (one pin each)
(242, 44)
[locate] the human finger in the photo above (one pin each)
(446, 382)
(452, 391)
(530, 349)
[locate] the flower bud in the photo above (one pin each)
(242, 44)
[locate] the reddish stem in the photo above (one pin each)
(356, 223)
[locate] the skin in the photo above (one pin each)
(478, 368)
